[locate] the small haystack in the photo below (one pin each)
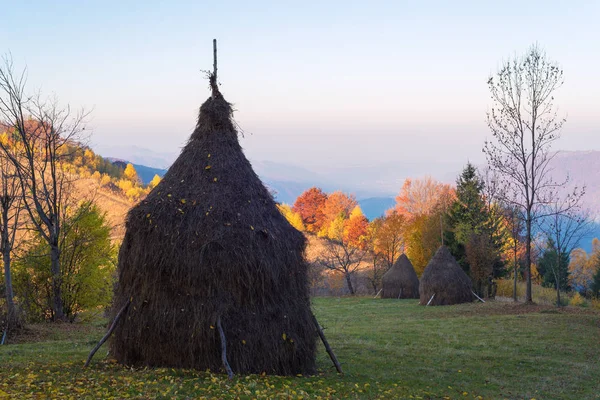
(445, 281)
(401, 281)
(208, 259)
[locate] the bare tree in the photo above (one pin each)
(10, 209)
(339, 255)
(524, 125)
(565, 229)
(42, 134)
(378, 268)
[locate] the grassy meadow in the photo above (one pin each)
(388, 349)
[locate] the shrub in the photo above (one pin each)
(577, 300)
(540, 294)
(87, 267)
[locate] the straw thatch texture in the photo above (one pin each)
(209, 242)
(444, 277)
(400, 281)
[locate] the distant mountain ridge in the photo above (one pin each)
(376, 185)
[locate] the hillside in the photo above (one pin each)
(113, 203)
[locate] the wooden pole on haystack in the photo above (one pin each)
(213, 75)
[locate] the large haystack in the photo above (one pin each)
(401, 281)
(445, 281)
(208, 245)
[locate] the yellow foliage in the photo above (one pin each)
(577, 300)
(125, 185)
(595, 303)
(335, 231)
(540, 294)
(97, 176)
(155, 181)
(130, 173)
(135, 193)
(105, 180)
(84, 172)
(292, 217)
(356, 212)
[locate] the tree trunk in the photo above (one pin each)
(557, 276)
(10, 303)
(349, 282)
(528, 296)
(57, 303)
(515, 297)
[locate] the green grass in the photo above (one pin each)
(388, 349)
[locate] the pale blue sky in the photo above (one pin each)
(324, 83)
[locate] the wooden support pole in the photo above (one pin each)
(110, 331)
(334, 359)
(431, 299)
(224, 349)
(483, 301)
(378, 293)
(4, 336)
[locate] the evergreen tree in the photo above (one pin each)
(468, 215)
(550, 268)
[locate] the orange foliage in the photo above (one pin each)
(423, 197)
(310, 207)
(356, 228)
(337, 204)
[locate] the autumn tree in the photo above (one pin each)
(130, 173)
(424, 204)
(10, 209)
(423, 196)
(337, 206)
(42, 133)
(88, 261)
(340, 253)
(524, 124)
(582, 267)
(310, 207)
(388, 236)
(423, 237)
(356, 228)
(385, 238)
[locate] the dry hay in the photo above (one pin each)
(208, 242)
(444, 278)
(400, 281)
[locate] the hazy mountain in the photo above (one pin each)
(374, 185)
(147, 173)
(137, 155)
